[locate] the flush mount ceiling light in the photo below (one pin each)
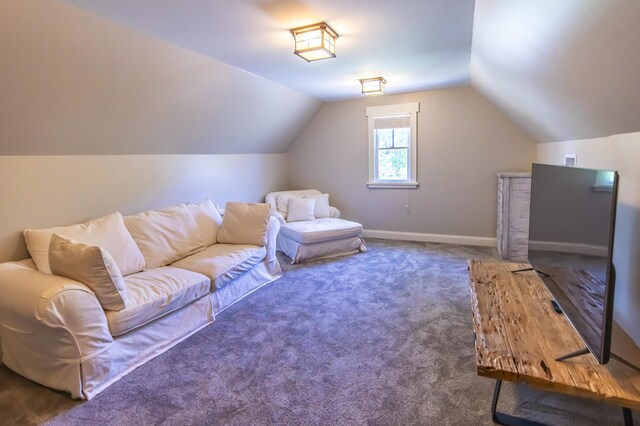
(315, 42)
(373, 86)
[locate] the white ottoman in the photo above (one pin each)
(320, 238)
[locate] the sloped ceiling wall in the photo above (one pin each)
(415, 44)
(564, 70)
(72, 83)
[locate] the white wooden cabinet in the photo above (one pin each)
(514, 191)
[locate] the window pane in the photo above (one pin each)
(401, 137)
(384, 138)
(392, 164)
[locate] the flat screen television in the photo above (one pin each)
(571, 229)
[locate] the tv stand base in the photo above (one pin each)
(585, 351)
(574, 354)
(530, 269)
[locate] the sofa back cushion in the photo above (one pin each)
(108, 232)
(301, 209)
(322, 205)
(165, 235)
(91, 265)
(279, 201)
(208, 219)
(245, 223)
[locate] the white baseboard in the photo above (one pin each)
(587, 249)
(430, 238)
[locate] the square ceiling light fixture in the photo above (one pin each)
(373, 86)
(315, 42)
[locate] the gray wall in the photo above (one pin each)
(97, 118)
(622, 153)
(42, 191)
(72, 83)
(462, 142)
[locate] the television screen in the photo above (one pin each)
(571, 227)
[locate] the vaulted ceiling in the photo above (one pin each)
(414, 44)
(565, 69)
(562, 69)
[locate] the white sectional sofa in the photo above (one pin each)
(179, 267)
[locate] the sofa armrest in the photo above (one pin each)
(272, 233)
(48, 317)
(334, 212)
(278, 216)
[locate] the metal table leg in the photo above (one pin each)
(509, 420)
(628, 418)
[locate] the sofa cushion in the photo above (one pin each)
(223, 263)
(324, 229)
(279, 201)
(208, 219)
(245, 223)
(91, 265)
(165, 235)
(108, 232)
(301, 209)
(154, 293)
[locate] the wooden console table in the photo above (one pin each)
(519, 335)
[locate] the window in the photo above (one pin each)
(392, 146)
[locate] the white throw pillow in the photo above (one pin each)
(108, 232)
(92, 266)
(165, 235)
(301, 209)
(322, 205)
(208, 219)
(245, 223)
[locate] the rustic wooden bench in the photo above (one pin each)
(519, 335)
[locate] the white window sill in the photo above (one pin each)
(392, 185)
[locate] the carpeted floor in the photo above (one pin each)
(377, 338)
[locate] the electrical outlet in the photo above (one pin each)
(571, 160)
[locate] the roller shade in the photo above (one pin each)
(395, 122)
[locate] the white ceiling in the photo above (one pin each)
(414, 44)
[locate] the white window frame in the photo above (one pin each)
(412, 110)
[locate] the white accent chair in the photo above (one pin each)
(314, 239)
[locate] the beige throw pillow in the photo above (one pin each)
(91, 265)
(107, 232)
(245, 223)
(165, 235)
(301, 209)
(208, 219)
